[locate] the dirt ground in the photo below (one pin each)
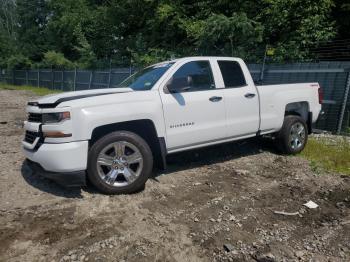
(208, 198)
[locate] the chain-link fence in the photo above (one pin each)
(66, 80)
(334, 77)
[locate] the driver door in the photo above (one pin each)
(195, 115)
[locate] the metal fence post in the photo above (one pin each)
(27, 81)
(75, 79)
(38, 78)
(13, 76)
(109, 78)
(343, 107)
(52, 79)
(90, 80)
(62, 82)
(262, 72)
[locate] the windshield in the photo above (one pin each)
(146, 78)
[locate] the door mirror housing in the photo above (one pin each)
(177, 85)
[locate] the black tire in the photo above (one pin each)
(283, 137)
(99, 145)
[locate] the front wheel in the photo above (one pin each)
(120, 163)
(292, 137)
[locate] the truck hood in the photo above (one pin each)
(52, 101)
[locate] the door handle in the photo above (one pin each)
(215, 98)
(249, 95)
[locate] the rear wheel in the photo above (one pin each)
(292, 138)
(120, 163)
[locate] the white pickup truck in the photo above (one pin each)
(112, 137)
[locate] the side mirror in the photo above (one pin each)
(177, 85)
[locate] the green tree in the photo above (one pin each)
(33, 16)
(232, 36)
(18, 61)
(8, 20)
(92, 33)
(341, 13)
(293, 26)
(53, 59)
(67, 27)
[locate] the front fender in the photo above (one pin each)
(90, 118)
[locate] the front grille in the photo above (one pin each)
(35, 117)
(30, 136)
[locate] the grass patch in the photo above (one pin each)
(40, 91)
(331, 156)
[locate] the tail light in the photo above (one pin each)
(320, 95)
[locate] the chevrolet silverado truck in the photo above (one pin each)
(113, 137)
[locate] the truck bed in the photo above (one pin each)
(274, 99)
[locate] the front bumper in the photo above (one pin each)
(65, 157)
(64, 163)
(67, 179)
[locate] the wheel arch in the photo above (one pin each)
(301, 109)
(144, 128)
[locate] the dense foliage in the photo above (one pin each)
(97, 33)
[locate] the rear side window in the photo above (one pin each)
(232, 74)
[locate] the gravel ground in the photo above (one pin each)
(214, 204)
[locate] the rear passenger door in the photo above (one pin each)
(241, 100)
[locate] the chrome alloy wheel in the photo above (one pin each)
(119, 164)
(297, 135)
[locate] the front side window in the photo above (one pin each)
(232, 74)
(146, 78)
(198, 75)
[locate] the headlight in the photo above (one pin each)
(49, 118)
